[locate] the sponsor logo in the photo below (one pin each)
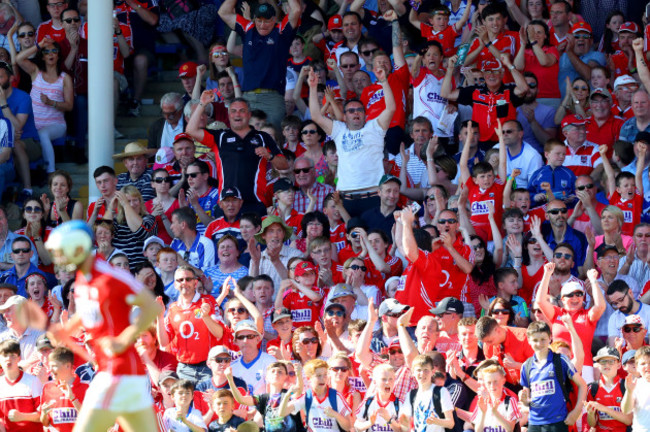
(301, 315)
(542, 388)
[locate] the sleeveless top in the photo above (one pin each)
(56, 212)
(45, 115)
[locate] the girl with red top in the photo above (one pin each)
(480, 281)
(163, 204)
(36, 287)
(63, 208)
(340, 371)
(35, 227)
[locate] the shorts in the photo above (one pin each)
(32, 148)
(122, 83)
(121, 393)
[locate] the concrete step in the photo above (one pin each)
(142, 121)
(157, 88)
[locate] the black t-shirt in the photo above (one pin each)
(234, 421)
(268, 406)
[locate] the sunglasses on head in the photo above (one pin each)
(34, 209)
(500, 312)
(71, 20)
(559, 255)
(21, 250)
(557, 211)
(447, 221)
(338, 313)
(160, 180)
(339, 368)
(308, 341)
(575, 294)
(309, 132)
(301, 170)
(587, 186)
(630, 329)
(239, 310)
(248, 336)
(358, 267)
(220, 360)
(26, 34)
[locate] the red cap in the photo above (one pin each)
(629, 27)
(182, 136)
(187, 70)
(581, 27)
(394, 343)
(491, 65)
(335, 23)
(304, 267)
(573, 120)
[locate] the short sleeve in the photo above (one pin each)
(568, 367)
(445, 400)
(299, 405)
(465, 95)
(407, 409)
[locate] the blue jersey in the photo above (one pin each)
(561, 179)
(207, 202)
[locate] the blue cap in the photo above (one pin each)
(629, 355)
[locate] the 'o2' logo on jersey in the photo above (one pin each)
(186, 330)
(481, 207)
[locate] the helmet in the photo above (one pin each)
(70, 244)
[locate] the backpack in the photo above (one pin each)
(369, 402)
(594, 386)
(331, 396)
(437, 405)
(557, 368)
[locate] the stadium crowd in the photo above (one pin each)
(354, 215)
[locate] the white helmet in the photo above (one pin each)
(70, 244)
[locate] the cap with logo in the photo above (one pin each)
(187, 70)
(581, 27)
(488, 65)
(387, 178)
(634, 320)
(607, 352)
(245, 325)
(391, 305)
(601, 92)
(230, 192)
(304, 267)
(265, 11)
(448, 304)
(335, 23)
(341, 290)
(573, 120)
(282, 184)
(624, 80)
(630, 27)
(603, 249)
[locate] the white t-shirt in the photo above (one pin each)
(194, 416)
(253, 373)
(381, 425)
(424, 409)
(427, 101)
(641, 422)
(617, 320)
(528, 161)
(361, 155)
(318, 421)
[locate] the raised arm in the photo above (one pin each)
(405, 341)
(396, 38)
(409, 245)
(386, 116)
(609, 171)
(463, 19)
(413, 19)
(464, 155)
(641, 64)
(228, 14)
(503, 155)
(542, 293)
(642, 148)
(446, 90)
(193, 128)
(520, 82)
(295, 9)
(314, 109)
(597, 310)
(362, 350)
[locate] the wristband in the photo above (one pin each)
(511, 67)
(533, 43)
(487, 44)
(4, 106)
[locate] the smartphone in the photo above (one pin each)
(415, 207)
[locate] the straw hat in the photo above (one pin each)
(134, 149)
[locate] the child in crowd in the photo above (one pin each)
(302, 296)
(438, 28)
(222, 404)
(553, 180)
(183, 416)
(637, 395)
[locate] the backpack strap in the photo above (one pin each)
(331, 395)
(309, 398)
(412, 394)
(561, 376)
(437, 405)
(368, 403)
(621, 385)
(593, 389)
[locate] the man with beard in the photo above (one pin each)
(564, 259)
(621, 298)
(537, 119)
(634, 331)
(557, 231)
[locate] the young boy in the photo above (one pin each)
(337, 217)
(438, 28)
(291, 127)
(151, 248)
(380, 409)
(283, 195)
(491, 395)
(354, 227)
(62, 397)
(270, 405)
(184, 417)
(637, 396)
(302, 296)
(419, 405)
(625, 190)
(222, 404)
(604, 396)
(541, 380)
(20, 392)
(506, 280)
(512, 225)
(560, 178)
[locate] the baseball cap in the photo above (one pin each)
(388, 177)
(634, 320)
(335, 23)
(629, 26)
(281, 185)
(279, 314)
(448, 304)
(341, 290)
(624, 80)
(629, 355)
(394, 343)
(391, 305)
(332, 305)
(218, 350)
(152, 239)
(231, 192)
(603, 249)
(264, 10)
(581, 27)
(43, 342)
(165, 375)
(601, 92)
(182, 136)
(164, 155)
(187, 70)
(246, 325)
(607, 352)
(304, 267)
(642, 136)
(573, 120)
(487, 65)
(14, 300)
(6, 66)
(571, 287)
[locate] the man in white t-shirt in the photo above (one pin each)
(359, 145)
(251, 366)
(521, 155)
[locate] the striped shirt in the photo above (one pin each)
(318, 190)
(27, 340)
(583, 160)
(201, 254)
(45, 115)
(142, 183)
(131, 242)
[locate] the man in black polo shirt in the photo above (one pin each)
(381, 217)
(266, 51)
(243, 152)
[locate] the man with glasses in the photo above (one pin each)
(635, 262)
(620, 296)
(184, 154)
(163, 131)
(603, 127)
(578, 58)
(624, 87)
(634, 331)
(219, 359)
(537, 119)
(520, 154)
(349, 65)
(557, 231)
(589, 208)
(367, 47)
(305, 175)
(135, 157)
(54, 26)
(582, 156)
(448, 312)
(251, 366)
(21, 253)
(560, 24)
(191, 326)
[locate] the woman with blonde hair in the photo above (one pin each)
(612, 219)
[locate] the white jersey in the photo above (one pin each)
(253, 373)
(423, 409)
(427, 101)
(380, 425)
(641, 410)
(173, 424)
(317, 420)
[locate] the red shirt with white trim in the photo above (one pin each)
(337, 236)
(583, 160)
(605, 134)
(372, 97)
(63, 414)
(479, 199)
(23, 395)
(304, 311)
(377, 278)
(611, 399)
(507, 42)
(446, 37)
(47, 29)
(104, 305)
(631, 208)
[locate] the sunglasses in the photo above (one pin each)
(394, 351)
(354, 110)
(508, 131)
(532, 240)
(576, 88)
(338, 313)
(500, 312)
(559, 255)
(431, 197)
(348, 66)
(635, 329)
(248, 336)
(22, 35)
(30, 209)
(358, 267)
(447, 221)
(579, 36)
(308, 341)
(50, 51)
(59, 4)
(160, 180)
(394, 314)
(194, 175)
(575, 294)
(367, 53)
(187, 279)
(220, 360)
(301, 170)
(21, 250)
(477, 247)
(532, 85)
(339, 368)
(587, 186)
(219, 54)
(309, 132)
(557, 211)
(239, 310)
(71, 20)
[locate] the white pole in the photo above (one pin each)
(100, 89)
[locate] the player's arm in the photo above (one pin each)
(149, 310)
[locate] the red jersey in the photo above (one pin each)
(540, 212)
(584, 326)
(612, 400)
(304, 311)
(372, 97)
(621, 63)
(452, 278)
(103, 305)
(100, 212)
(516, 345)
(63, 414)
(187, 330)
(631, 208)
(479, 200)
(347, 253)
(276, 343)
(529, 283)
(23, 395)
(216, 227)
(47, 29)
(446, 37)
(583, 160)
(294, 220)
(377, 278)
(507, 42)
(605, 134)
(421, 285)
(337, 236)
